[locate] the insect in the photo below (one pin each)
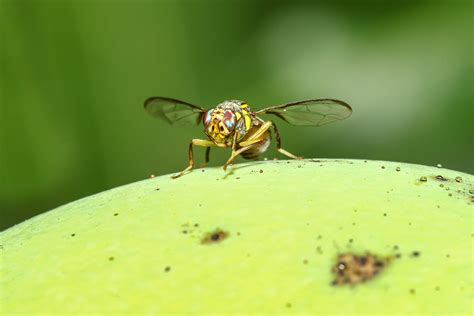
(232, 124)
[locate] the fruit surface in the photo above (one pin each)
(263, 237)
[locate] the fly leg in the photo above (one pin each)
(206, 158)
(208, 151)
(197, 142)
(238, 152)
(278, 145)
(250, 142)
(262, 130)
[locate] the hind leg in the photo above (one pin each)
(278, 145)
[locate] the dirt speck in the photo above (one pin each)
(215, 236)
(167, 269)
(415, 253)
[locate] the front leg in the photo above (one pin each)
(197, 142)
(235, 152)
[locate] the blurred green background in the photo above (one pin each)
(74, 75)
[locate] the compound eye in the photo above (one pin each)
(229, 119)
(206, 118)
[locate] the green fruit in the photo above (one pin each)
(264, 237)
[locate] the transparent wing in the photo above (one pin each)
(315, 112)
(174, 111)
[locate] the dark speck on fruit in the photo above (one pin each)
(214, 237)
(353, 269)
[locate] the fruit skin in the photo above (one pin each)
(139, 248)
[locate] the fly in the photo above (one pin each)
(232, 124)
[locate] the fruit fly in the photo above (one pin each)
(232, 124)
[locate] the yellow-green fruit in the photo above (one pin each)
(278, 228)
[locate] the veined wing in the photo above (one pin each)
(315, 112)
(174, 111)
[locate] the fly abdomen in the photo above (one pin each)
(258, 149)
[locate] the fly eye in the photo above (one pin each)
(229, 119)
(222, 128)
(207, 116)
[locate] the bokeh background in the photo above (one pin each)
(74, 75)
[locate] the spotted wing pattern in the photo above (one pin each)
(315, 112)
(174, 111)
